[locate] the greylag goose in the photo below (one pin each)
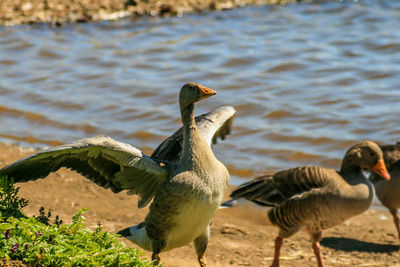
(316, 198)
(388, 192)
(183, 176)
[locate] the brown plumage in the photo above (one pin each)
(182, 177)
(388, 192)
(316, 198)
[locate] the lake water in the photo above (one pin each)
(308, 80)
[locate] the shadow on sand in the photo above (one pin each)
(349, 245)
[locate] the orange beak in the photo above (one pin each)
(206, 92)
(380, 168)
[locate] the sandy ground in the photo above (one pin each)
(241, 236)
(14, 12)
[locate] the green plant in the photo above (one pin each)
(10, 203)
(36, 242)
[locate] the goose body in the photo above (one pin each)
(183, 208)
(182, 178)
(327, 202)
(316, 198)
(191, 191)
(388, 192)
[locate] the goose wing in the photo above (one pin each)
(212, 125)
(108, 163)
(272, 190)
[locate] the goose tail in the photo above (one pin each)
(138, 235)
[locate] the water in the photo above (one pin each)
(308, 80)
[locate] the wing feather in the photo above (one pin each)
(289, 184)
(108, 163)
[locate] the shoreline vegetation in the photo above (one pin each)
(57, 13)
(45, 241)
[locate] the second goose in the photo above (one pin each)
(316, 198)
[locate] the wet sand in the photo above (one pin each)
(240, 236)
(14, 12)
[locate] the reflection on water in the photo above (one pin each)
(308, 80)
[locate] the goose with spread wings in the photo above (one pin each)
(315, 198)
(183, 177)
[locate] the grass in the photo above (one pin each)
(37, 242)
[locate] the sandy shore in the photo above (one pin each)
(240, 236)
(14, 12)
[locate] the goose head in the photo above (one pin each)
(368, 155)
(193, 92)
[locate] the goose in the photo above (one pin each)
(183, 177)
(316, 198)
(388, 192)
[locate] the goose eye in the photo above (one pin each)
(372, 154)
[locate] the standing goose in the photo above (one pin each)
(316, 198)
(388, 192)
(187, 189)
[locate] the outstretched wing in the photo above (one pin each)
(271, 190)
(108, 163)
(212, 125)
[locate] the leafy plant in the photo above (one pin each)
(36, 242)
(10, 203)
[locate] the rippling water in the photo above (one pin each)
(308, 80)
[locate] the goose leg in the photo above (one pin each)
(317, 251)
(202, 261)
(396, 220)
(278, 245)
(157, 245)
(155, 258)
(315, 238)
(200, 244)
